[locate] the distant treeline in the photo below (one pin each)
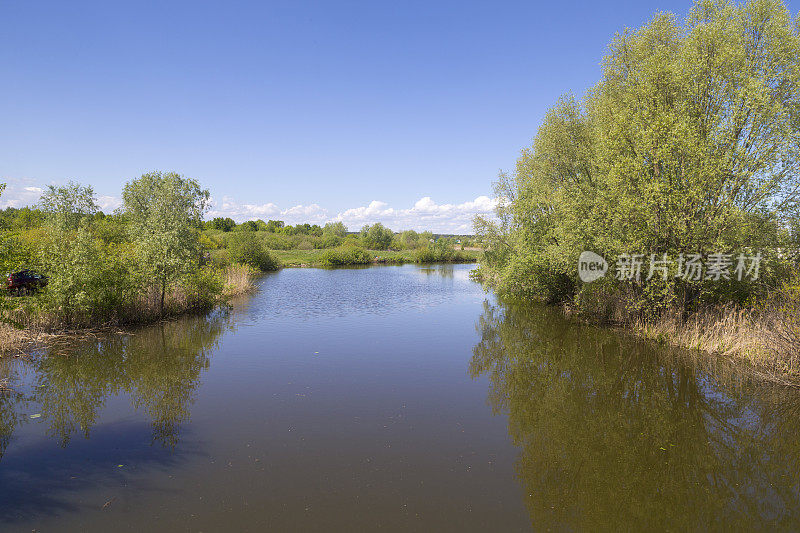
(375, 237)
(275, 235)
(332, 228)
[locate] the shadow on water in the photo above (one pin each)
(614, 432)
(158, 368)
(37, 483)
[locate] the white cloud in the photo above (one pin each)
(228, 207)
(310, 212)
(19, 192)
(25, 191)
(424, 214)
(108, 204)
(373, 211)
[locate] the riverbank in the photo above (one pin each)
(40, 329)
(766, 341)
(316, 258)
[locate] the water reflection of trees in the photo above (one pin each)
(614, 433)
(159, 367)
(445, 270)
(11, 403)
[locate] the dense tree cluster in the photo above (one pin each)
(689, 144)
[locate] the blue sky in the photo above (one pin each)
(295, 110)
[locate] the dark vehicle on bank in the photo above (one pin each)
(25, 282)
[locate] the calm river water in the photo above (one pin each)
(393, 398)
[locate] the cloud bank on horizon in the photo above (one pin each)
(425, 214)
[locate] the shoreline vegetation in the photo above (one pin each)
(687, 147)
(156, 258)
(764, 341)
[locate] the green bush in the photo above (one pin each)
(273, 241)
(376, 237)
(87, 279)
(345, 255)
(441, 251)
(329, 241)
(247, 249)
(202, 287)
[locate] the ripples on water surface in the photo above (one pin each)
(389, 397)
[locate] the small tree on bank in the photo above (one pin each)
(164, 212)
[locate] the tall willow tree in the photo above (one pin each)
(689, 143)
(164, 212)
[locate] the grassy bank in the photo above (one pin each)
(763, 340)
(43, 326)
(760, 337)
(315, 258)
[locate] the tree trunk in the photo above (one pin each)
(163, 293)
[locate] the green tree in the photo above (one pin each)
(84, 275)
(688, 144)
(223, 224)
(409, 239)
(336, 229)
(164, 212)
(274, 226)
(246, 248)
(65, 207)
(377, 236)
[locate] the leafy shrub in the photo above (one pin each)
(206, 241)
(441, 251)
(336, 229)
(274, 241)
(245, 248)
(86, 278)
(201, 287)
(222, 224)
(345, 255)
(377, 236)
(329, 241)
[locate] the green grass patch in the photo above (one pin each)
(321, 258)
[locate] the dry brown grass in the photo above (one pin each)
(239, 279)
(16, 342)
(767, 340)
